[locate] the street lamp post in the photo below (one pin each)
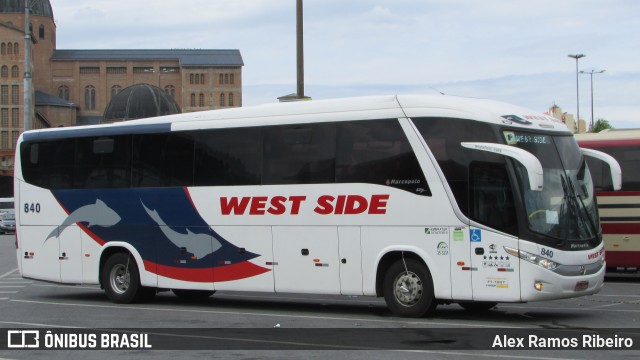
(300, 49)
(27, 67)
(590, 73)
(577, 57)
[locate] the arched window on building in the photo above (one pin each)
(191, 79)
(16, 49)
(230, 99)
(115, 89)
(63, 92)
(226, 78)
(41, 32)
(197, 79)
(15, 71)
(193, 99)
(221, 99)
(231, 79)
(202, 79)
(9, 49)
(170, 90)
(4, 72)
(3, 49)
(201, 100)
(90, 98)
(221, 79)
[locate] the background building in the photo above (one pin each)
(568, 119)
(74, 87)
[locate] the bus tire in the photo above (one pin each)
(121, 280)
(192, 294)
(408, 291)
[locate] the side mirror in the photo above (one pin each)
(616, 171)
(527, 159)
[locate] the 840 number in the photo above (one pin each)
(32, 208)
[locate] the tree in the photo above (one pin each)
(601, 124)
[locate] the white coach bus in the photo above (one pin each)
(420, 200)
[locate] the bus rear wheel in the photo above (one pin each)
(408, 289)
(121, 280)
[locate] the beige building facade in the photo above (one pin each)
(568, 119)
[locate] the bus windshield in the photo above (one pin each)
(565, 209)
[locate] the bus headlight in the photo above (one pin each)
(532, 258)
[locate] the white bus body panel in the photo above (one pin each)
(350, 255)
(495, 274)
(257, 239)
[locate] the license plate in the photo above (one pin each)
(582, 285)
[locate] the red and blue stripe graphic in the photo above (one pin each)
(163, 225)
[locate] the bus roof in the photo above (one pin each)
(610, 134)
(370, 107)
(609, 138)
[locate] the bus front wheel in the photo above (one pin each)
(121, 280)
(408, 289)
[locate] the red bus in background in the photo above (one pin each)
(619, 210)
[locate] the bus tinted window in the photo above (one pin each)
(228, 157)
(629, 160)
(299, 154)
(378, 152)
(443, 135)
(375, 152)
(162, 160)
(49, 164)
(491, 196)
(103, 162)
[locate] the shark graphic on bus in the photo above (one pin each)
(97, 214)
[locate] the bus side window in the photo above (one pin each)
(228, 157)
(33, 157)
(630, 169)
(299, 154)
(378, 152)
(162, 160)
(600, 174)
(103, 162)
(49, 164)
(491, 196)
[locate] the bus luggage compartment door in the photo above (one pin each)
(307, 259)
(39, 252)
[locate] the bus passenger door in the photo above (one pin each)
(495, 274)
(461, 270)
(306, 259)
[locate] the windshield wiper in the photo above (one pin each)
(592, 225)
(566, 198)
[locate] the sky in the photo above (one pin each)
(509, 50)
